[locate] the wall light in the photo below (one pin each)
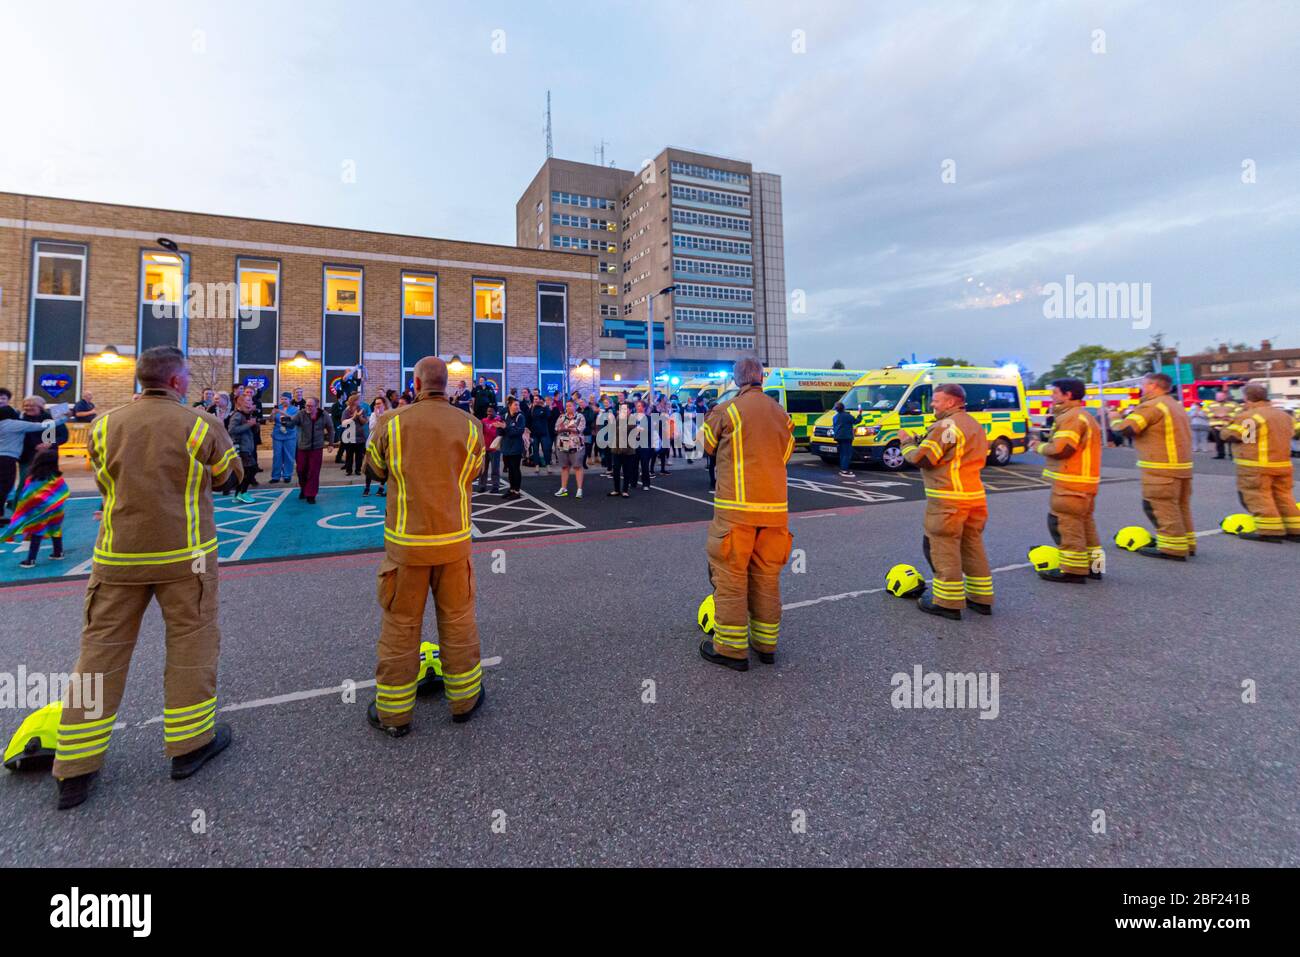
(300, 360)
(110, 355)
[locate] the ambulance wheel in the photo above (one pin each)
(891, 457)
(1000, 452)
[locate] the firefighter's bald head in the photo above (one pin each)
(1255, 393)
(431, 375)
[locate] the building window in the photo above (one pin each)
(257, 324)
(342, 325)
(163, 277)
(490, 332)
(722, 247)
(56, 335)
(552, 337)
(689, 217)
(700, 341)
(419, 321)
(708, 172)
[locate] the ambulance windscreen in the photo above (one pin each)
(878, 398)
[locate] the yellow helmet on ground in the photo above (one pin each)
(904, 581)
(1045, 558)
(430, 677)
(33, 744)
(704, 617)
(1133, 538)
(1236, 524)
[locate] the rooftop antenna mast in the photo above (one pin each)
(599, 153)
(550, 151)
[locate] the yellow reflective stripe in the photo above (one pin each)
(192, 446)
(188, 709)
(189, 727)
(1168, 466)
(105, 557)
(97, 723)
(463, 483)
(463, 677)
(908, 449)
(83, 737)
(959, 496)
(934, 447)
(99, 436)
(178, 734)
(727, 503)
(426, 541)
(395, 452)
(390, 688)
(789, 449)
(737, 453)
(1136, 418)
(372, 450)
(707, 432)
(954, 468)
(1171, 449)
(69, 754)
(1080, 479)
(1065, 433)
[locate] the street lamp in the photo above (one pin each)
(650, 336)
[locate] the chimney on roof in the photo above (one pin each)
(1223, 348)
(1265, 346)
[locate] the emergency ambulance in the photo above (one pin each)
(804, 394)
(705, 387)
(898, 397)
(1118, 399)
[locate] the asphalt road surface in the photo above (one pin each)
(607, 740)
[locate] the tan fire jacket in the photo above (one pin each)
(1221, 413)
(429, 452)
(155, 462)
(951, 456)
(1074, 449)
(1162, 434)
(752, 438)
(1264, 432)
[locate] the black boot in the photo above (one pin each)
(927, 605)
(767, 657)
(979, 607)
(1151, 551)
(708, 654)
(187, 764)
(1060, 576)
(393, 731)
(1257, 537)
(74, 791)
(465, 716)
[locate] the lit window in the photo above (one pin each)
(164, 277)
(258, 282)
(419, 295)
(489, 299)
(58, 274)
(343, 290)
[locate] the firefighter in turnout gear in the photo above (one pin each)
(950, 458)
(155, 462)
(1163, 437)
(1220, 413)
(749, 541)
(429, 453)
(1073, 453)
(1264, 474)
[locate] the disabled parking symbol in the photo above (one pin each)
(366, 516)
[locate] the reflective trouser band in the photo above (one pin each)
(955, 496)
(763, 634)
(1292, 522)
(1267, 521)
(462, 686)
(979, 586)
(732, 504)
(731, 636)
(1075, 560)
(181, 724)
(1177, 542)
(951, 590)
(84, 740)
(1166, 466)
(395, 699)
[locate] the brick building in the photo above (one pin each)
(85, 286)
(1224, 363)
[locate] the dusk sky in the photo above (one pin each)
(1119, 166)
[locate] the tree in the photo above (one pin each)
(1078, 364)
(838, 364)
(948, 361)
(1232, 347)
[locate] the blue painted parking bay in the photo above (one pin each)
(279, 525)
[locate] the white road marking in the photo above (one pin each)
(256, 530)
(296, 696)
(702, 501)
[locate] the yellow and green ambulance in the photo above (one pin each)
(898, 397)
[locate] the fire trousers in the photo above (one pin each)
(403, 591)
(1268, 497)
(1074, 531)
(1167, 502)
(954, 547)
(110, 628)
(745, 563)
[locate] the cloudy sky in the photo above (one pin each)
(943, 164)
